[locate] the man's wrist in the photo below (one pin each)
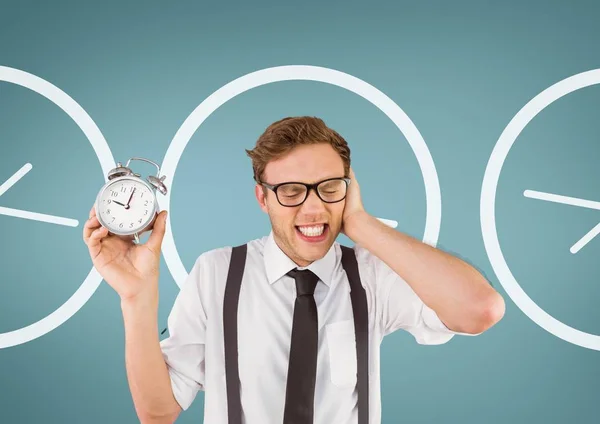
(142, 301)
(354, 222)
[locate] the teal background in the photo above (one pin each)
(460, 70)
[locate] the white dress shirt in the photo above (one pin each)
(194, 349)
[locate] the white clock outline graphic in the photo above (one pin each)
(488, 219)
(309, 73)
(92, 132)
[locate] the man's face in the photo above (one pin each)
(307, 164)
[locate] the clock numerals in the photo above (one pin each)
(127, 219)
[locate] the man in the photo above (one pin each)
(296, 346)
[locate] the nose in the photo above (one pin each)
(313, 204)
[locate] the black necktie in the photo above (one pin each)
(302, 368)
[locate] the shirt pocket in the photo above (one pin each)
(341, 346)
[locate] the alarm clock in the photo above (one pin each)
(127, 205)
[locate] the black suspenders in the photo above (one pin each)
(361, 329)
(230, 307)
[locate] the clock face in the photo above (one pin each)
(302, 73)
(539, 215)
(126, 206)
(45, 274)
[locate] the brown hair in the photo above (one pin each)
(282, 136)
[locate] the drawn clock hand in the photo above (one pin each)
(19, 213)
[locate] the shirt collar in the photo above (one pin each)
(277, 263)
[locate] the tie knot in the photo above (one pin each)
(306, 281)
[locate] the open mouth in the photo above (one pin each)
(312, 233)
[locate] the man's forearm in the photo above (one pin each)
(457, 292)
(147, 371)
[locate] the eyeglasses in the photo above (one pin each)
(290, 194)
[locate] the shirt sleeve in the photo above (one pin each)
(184, 349)
(398, 307)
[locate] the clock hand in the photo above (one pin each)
(389, 222)
(118, 203)
(556, 198)
(34, 216)
(127, 205)
(573, 201)
(16, 177)
(585, 239)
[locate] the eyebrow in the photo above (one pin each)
(314, 181)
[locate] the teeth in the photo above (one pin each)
(312, 231)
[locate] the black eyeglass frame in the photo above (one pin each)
(309, 187)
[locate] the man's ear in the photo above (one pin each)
(259, 192)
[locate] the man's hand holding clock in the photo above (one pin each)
(131, 269)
